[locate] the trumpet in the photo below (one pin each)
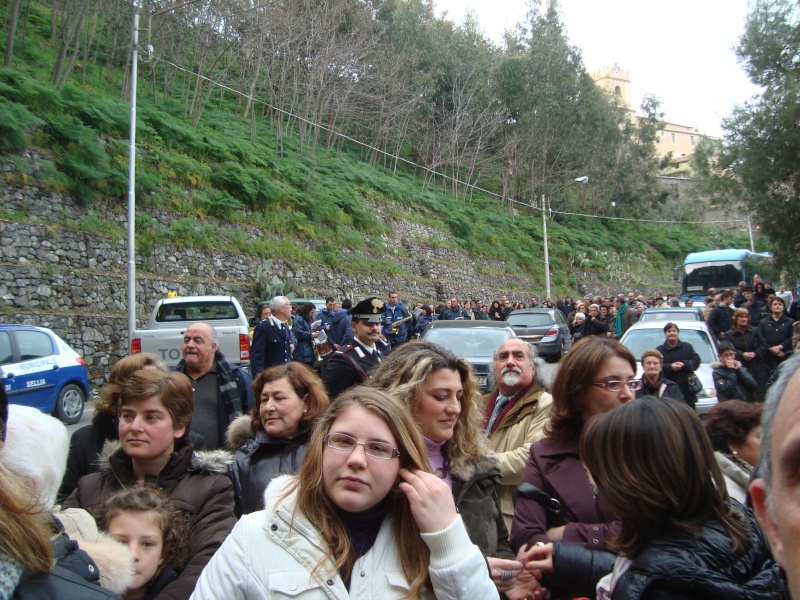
(396, 324)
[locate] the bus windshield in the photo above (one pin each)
(699, 277)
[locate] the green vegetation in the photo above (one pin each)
(319, 206)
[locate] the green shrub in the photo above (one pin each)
(79, 155)
(218, 203)
(15, 122)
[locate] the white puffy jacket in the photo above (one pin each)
(265, 558)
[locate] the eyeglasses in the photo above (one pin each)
(344, 443)
(615, 385)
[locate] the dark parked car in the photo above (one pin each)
(41, 370)
(475, 341)
(545, 328)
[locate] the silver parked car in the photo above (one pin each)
(476, 341)
(650, 334)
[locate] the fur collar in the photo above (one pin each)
(208, 461)
(113, 560)
(465, 468)
(239, 431)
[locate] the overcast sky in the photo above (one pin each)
(681, 51)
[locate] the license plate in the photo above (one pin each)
(483, 381)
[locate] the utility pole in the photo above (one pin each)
(546, 251)
(132, 185)
(545, 210)
(132, 162)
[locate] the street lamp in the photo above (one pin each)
(581, 179)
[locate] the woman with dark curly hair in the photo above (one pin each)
(496, 311)
(734, 428)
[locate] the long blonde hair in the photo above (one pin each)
(320, 510)
(403, 374)
(24, 525)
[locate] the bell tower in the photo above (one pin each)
(615, 81)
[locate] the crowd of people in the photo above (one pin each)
(374, 468)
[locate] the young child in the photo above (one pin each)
(145, 520)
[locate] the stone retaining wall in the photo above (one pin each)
(53, 273)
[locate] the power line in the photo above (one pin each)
(433, 172)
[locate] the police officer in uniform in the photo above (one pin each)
(351, 364)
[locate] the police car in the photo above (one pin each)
(41, 370)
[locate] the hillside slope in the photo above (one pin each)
(328, 217)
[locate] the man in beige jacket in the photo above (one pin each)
(515, 416)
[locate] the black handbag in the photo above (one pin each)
(695, 385)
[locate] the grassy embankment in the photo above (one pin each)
(228, 168)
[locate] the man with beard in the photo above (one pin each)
(516, 413)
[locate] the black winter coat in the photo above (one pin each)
(773, 333)
(670, 389)
(679, 567)
(258, 459)
(594, 326)
(75, 576)
(681, 352)
(748, 341)
(719, 321)
(734, 384)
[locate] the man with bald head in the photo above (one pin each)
(776, 492)
(515, 415)
(221, 390)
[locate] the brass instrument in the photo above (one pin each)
(396, 324)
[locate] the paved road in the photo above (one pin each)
(88, 413)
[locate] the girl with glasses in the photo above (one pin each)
(440, 391)
(561, 501)
(364, 518)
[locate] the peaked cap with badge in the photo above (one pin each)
(369, 310)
